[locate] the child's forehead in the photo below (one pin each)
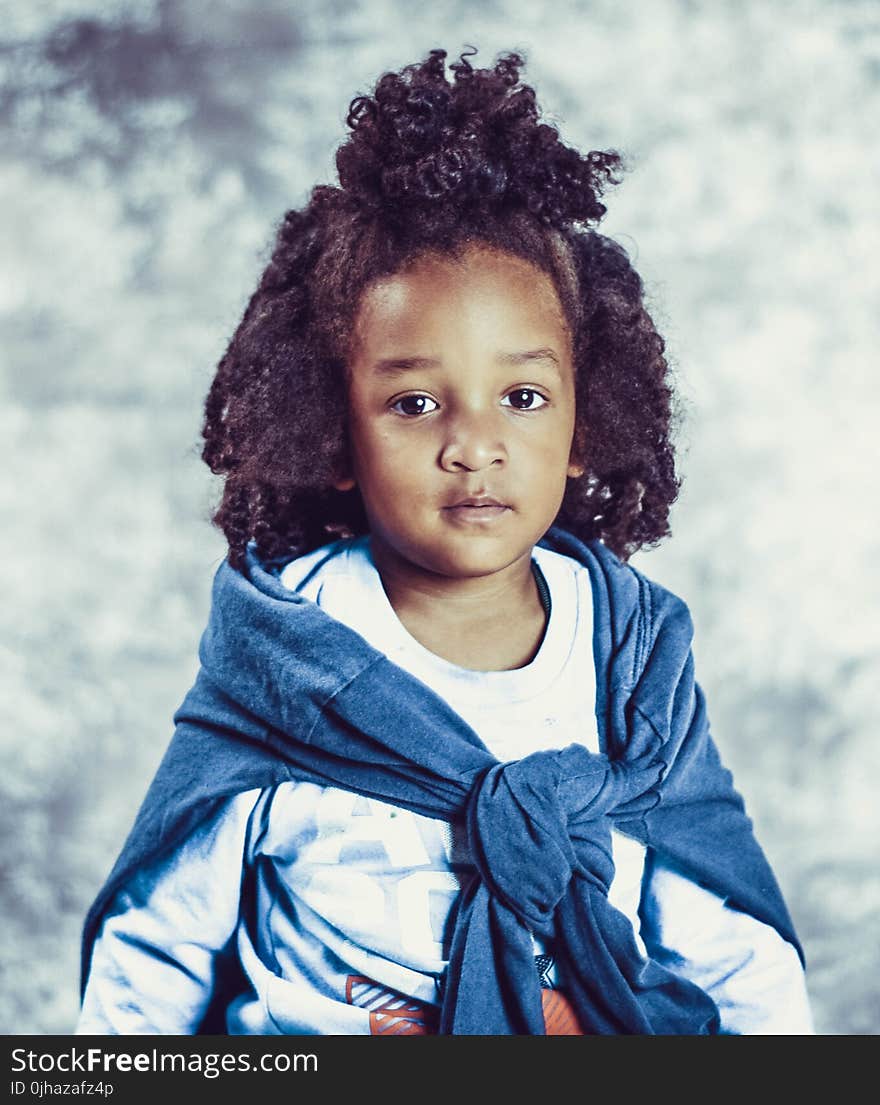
(480, 278)
(442, 311)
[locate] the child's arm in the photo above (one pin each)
(752, 974)
(153, 963)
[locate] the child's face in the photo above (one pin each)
(461, 412)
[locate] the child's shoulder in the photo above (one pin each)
(623, 595)
(605, 567)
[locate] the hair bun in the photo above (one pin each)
(475, 141)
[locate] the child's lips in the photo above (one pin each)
(476, 510)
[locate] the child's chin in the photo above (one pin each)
(478, 558)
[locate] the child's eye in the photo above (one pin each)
(412, 405)
(524, 399)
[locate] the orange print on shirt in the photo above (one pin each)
(393, 1014)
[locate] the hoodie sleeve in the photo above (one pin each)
(154, 961)
(699, 824)
(712, 910)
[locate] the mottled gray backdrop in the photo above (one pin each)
(149, 148)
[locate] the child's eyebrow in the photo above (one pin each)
(531, 355)
(396, 366)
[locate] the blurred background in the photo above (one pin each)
(149, 149)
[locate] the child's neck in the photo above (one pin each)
(485, 623)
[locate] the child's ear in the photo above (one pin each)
(345, 483)
(576, 466)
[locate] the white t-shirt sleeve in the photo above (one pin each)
(152, 968)
(752, 974)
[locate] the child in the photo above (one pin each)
(445, 767)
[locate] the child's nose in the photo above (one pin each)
(474, 441)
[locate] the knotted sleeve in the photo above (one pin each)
(540, 834)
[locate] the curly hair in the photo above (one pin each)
(435, 164)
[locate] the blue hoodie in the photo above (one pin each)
(286, 692)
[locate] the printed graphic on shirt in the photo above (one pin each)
(393, 863)
(391, 1014)
(560, 1018)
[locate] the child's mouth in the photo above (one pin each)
(476, 510)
